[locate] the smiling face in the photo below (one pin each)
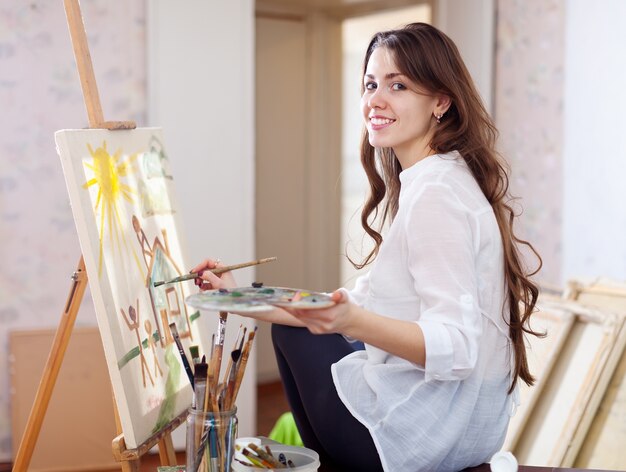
(397, 113)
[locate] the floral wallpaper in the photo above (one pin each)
(529, 84)
(39, 94)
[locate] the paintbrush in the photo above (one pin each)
(213, 440)
(181, 351)
(229, 386)
(256, 460)
(275, 464)
(210, 405)
(202, 445)
(237, 346)
(216, 271)
(199, 391)
(245, 353)
(243, 338)
(199, 378)
(218, 349)
(195, 354)
(231, 367)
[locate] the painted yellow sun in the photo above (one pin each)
(107, 173)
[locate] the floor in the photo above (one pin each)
(271, 403)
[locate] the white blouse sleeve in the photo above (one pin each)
(442, 245)
(359, 293)
(357, 296)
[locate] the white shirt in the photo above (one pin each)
(440, 265)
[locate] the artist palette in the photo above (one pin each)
(258, 299)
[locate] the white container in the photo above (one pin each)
(305, 460)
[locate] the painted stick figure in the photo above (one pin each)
(157, 368)
(133, 325)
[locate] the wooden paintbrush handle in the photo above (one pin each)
(242, 368)
(221, 270)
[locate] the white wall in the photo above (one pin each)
(594, 200)
(281, 64)
(470, 24)
(200, 90)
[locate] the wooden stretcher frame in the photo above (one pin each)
(542, 354)
(571, 388)
(601, 436)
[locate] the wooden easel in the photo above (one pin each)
(129, 458)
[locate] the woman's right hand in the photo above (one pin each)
(208, 280)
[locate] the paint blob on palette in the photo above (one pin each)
(257, 299)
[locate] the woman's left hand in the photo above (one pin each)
(334, 319)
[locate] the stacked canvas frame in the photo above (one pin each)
(574, 364)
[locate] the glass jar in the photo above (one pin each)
(211, 440)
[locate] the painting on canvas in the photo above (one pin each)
(122, 195)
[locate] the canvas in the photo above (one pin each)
(122, 196)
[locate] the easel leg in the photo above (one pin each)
(131, 466)
(167, 455)
(51, 370)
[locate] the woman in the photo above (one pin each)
(443, 310)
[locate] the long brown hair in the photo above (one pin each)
(429, 58)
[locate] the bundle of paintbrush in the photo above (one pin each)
(211, 443)
(221, 396)
(263, 458)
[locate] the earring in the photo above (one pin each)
(438, 118)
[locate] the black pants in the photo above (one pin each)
(324, 423)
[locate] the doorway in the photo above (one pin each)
(307, 169)
(356, 35)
